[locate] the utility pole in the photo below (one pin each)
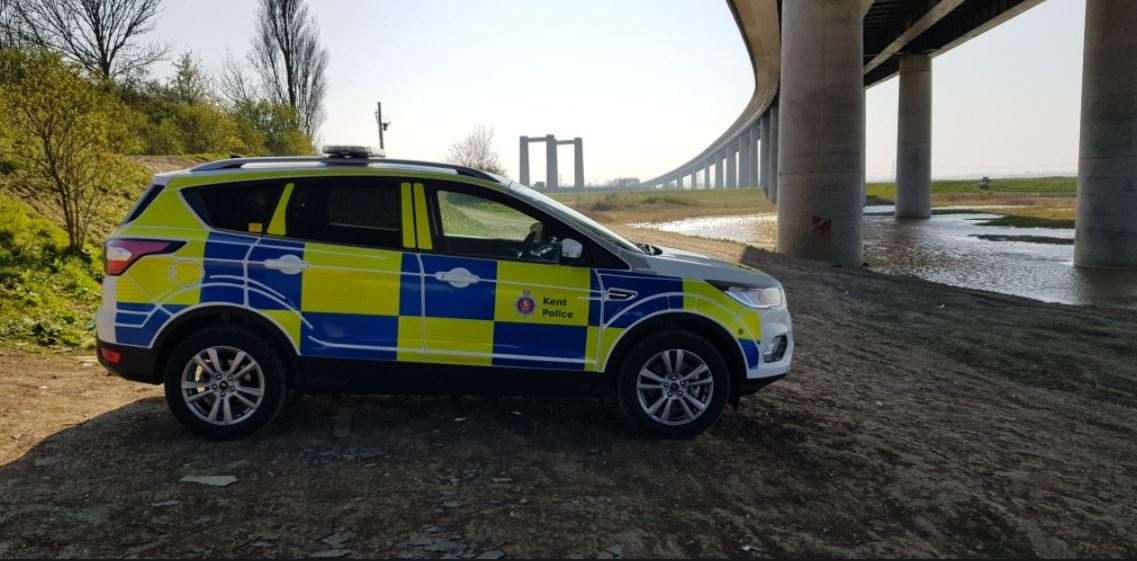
(381, 123)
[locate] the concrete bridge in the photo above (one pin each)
(813, 59)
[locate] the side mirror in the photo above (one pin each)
(571, 249)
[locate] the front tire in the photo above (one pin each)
(225, 382)
(674, 384)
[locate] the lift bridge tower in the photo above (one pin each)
(551, 144)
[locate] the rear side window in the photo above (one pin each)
(245, 207)
(144, 201)
(347, 210)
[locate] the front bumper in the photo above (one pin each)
(133, 363)
(775, 323)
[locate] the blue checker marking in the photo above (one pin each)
(410, 288)
(286, 285)
(750, 351)
(594, 299)
(553, 341)
(141, 335)
(645, 287)
(349, 329)
(224, 256)
(443, 300)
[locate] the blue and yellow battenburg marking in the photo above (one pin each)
(353, 302)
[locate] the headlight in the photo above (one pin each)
(773, 297)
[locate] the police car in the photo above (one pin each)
(239, 280)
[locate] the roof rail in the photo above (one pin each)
(236, 163)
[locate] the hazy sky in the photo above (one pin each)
(646, 83)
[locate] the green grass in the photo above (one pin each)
(47, 297)
(1029, 185)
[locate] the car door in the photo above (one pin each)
(497, 290)
(359, 290)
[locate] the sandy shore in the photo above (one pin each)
(919, 420)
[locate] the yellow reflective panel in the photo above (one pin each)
(466, 341)
(408, 215)
(422, 222)
(559, 293)
(169, 211)
(173, 278)
(410, 339)
(706, 300)
(289, 322)
(351, 280)
(599, 346)
(276, 226)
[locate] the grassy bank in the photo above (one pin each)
(1046, 202)
(47, 297)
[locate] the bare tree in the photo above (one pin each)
(10, 35)
(102, 36)
(476, 151)
(290, 60)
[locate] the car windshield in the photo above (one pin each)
(557, 207)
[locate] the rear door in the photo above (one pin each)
(359, 290)
(496, 289)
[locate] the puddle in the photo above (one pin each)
(952, 248)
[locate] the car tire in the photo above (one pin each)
(225, 382)
(683, 369)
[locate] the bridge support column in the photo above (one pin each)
(707, 175)
(694, 178)
(763, 159)
(743, 162)
(753, 155)
(731, 172)
(822, 145)
(771, 150)
(550, 163)
(718, 170)
(1107, 157)
(578, 162)
(523, 165)
(914, 138)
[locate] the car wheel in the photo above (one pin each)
(225, 382)
(673, 384)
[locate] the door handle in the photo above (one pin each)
(458, 277)
(288, 264)
(619, 294)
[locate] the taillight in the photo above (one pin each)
(121, 253)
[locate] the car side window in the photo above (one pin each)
(471, 225)
(346, 210)
(244, 207)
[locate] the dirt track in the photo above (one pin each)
(919, 420)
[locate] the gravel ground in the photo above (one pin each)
(919, 420)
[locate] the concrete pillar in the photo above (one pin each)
(743, 142)
(550, 162)
(718, 170)
(694, 178)
(578, 162)
(763, 154)
(731, 172)
(772, 154)
(752, 157)
(707, 175)
(914, 138)
(821, 174)
(1107, 155)
(523, 165)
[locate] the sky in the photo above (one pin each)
(645, 83)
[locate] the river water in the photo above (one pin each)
(948, 248)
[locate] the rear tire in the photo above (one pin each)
(225, 382)
(673, 384)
